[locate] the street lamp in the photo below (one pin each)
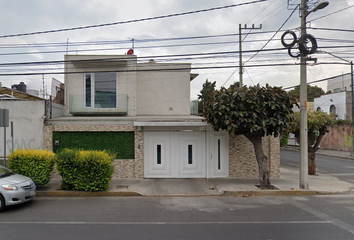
(303, 97)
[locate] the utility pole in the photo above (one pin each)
(240, 47)
(303, 106)
(352, 82)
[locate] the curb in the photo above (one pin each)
(248, 194)
(84, 194)
(270, 193)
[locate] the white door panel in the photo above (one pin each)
(174, 155)
(219, 155)
(158, 156)
(191, 158)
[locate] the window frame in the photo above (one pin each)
(92, 92)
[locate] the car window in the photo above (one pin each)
(4, 171)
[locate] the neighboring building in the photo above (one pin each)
(338, 103)
(27, 113)
(142, 112)
(339, 83)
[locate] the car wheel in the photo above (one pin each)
(2, 203)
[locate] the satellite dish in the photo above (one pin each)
(130, 52)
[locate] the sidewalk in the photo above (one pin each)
(287, 184)
(332, 153)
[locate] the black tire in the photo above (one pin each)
(303, 44)
(2, 203)
(292, 55)
(289, 45)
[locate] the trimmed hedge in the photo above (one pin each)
(84, 170)
(36, 164)
(120, 144)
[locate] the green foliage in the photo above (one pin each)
(316, 121)
(312, 92)
(208, 88)
(284, 139)
(250, 111)
(120, 144)
(34, 163)
(235, 84)
(341, 121)
(84, 170)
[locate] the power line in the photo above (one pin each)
(331, 13)
(272, 36)
(133, 21)
(332, 29)
(317, 81)
(166, 70)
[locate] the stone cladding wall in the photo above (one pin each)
(242, 158)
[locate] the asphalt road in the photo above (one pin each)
(341, 168)
(281, 217)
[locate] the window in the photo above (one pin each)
(158, 154)
(101, 90)
(190, 154)
(219, 160)
(332, 109)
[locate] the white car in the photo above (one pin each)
(14, 188)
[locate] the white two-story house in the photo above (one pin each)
(141, 112)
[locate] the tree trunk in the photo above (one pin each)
(262, 161)
(311, 160)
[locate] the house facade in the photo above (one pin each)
(339, 103)
(26, 116)
(142, 113)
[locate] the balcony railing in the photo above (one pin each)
(77, 106)
(194, 107)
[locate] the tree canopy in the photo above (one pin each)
(254, 112)
(207, 88)
(312, 92)
(317, 124)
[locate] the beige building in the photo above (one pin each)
(141, 111)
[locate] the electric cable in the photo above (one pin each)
(134, 20)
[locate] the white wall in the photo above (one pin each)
(126, 81)
(27, 117)
(163, 92)
(342, 82)
(57, 110)
(337, 99)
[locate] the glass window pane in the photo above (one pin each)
(88, 90)
(105, 90)
(219, 160)
(190, 154)
(158, 154)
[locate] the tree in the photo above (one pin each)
(235, 84)
(312, 92)
(208, 87)
(317, 124)
(254, 112)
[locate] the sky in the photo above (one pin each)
(208, 40)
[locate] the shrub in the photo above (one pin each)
(84, 170)
(36, 164)
(284, 138)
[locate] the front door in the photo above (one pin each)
(219, 154)
(174, 154)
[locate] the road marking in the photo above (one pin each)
(323, 216)
(167, 223)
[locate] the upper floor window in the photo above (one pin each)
(101, 90)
